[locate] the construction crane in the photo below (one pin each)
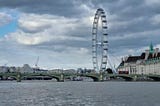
(36, 64)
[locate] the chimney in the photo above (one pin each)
(146, 54)
(122, 59)
(156, 51)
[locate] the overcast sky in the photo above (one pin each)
(59, 31)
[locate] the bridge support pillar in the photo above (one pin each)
(18, 77)
(101, 77)
(61, 78)
(135, 78)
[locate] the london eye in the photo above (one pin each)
(99, 41)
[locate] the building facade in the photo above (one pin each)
(147, 63)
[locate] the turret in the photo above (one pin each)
(146, 54)
(151, 50)
(156, 51)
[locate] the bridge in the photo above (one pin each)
(61, 77)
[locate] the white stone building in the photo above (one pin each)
(147, 63)
(4, 69)
(26, 69)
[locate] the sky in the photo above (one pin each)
(59, 31)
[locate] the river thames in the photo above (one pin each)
(48, 93)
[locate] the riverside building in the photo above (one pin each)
(147, 63)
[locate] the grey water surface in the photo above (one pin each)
(48, 93)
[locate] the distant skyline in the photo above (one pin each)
(59, 31)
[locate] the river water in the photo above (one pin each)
(48, 93)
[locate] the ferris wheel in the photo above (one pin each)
(99, 41)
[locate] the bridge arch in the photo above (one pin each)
(95, 78)
(40, 75)
(55, 77)
(13, 77)
(126, 78)
(155, 78)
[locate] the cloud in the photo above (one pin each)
(152, 2)
(155, 19)
(62, 29)
(17, 55)
(4, 18)
(70, 8)
(36, 29)
(53, 38)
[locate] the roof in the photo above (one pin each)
(158, 55)
(133, 59)
(122, 63)
(141, 57)
(153, 56)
